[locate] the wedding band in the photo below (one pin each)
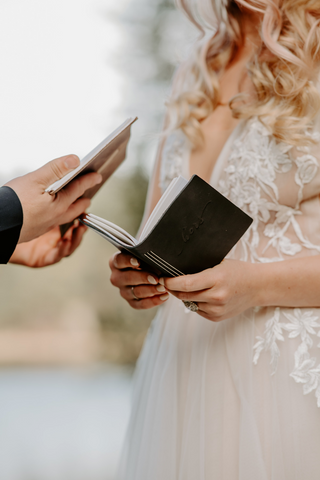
(134, 295)
(191, 306)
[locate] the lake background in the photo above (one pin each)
(63, 424)
(72, 70)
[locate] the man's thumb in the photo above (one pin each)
(57, 169)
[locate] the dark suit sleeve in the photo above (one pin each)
(11, 219)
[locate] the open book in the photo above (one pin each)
(105, 158)
(192, 228)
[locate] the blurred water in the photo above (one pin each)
(62, 424)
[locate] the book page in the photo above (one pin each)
(107, 236)
(56, 186)
(104, 226)
(173, 190)
(117, 234)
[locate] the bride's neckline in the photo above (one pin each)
(215, 173)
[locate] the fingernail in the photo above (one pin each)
(161, 288)
(134, 262)
(152, 280)
(72, 162)
(164, 297)
(115, 263)
(161, 281)
(99, 178)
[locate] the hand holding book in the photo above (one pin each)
(137, 286)
(219, 293)
(191, 229)
(104, 159)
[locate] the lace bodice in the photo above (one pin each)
(278, 185)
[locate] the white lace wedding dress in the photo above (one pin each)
(239, 399)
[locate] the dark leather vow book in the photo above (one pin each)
(192, 228)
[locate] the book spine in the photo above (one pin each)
(148, 263)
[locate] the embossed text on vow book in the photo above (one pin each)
(192, 228)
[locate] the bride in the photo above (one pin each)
(232, 391)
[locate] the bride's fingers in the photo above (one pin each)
(123, 260)
(142, 291)
(210, 312)
(146, 303)
(124, 278)
(201, 296)
(192, 283)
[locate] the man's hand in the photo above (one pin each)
(48, 249)
(41, 211)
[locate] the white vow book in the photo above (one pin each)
(105, 158)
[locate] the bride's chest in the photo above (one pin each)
(254, 165)
(215, 131)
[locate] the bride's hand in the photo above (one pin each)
(49, 248)
(134, 282)
(220, 292)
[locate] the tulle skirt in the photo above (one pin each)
(203, 411)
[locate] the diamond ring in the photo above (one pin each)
(191, 305)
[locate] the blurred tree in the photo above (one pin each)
(154, 41)
(154, 36)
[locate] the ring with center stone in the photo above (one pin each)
(191, 305)
(134, 295)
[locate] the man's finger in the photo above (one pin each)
(77, 235)
(57, 169)
(75, 210)
(64, 248)
(77, 188)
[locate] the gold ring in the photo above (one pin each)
(134, 295)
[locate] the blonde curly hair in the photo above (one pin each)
(286, 99)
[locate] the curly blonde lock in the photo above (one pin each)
(284, 72)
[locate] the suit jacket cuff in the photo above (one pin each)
(11, 219)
